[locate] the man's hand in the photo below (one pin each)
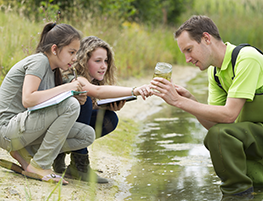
(184, 92)
(166, 90)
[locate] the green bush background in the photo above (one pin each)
(140, 37)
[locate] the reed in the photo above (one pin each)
(137, 48)
(18, 37)
(237, 21)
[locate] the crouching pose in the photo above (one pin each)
(233, 116)
(35, 138)
(95, 68)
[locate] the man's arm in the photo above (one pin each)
(208, 115)
(224, 114)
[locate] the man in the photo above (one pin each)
(233, 114)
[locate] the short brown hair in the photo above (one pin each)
(196, 26)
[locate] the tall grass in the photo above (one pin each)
(137, 48)
(18, 37)
(238, 21)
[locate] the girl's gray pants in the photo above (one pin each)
(47, 132)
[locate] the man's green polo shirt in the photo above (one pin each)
(248, 78)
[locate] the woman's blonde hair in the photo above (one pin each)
(87, 47)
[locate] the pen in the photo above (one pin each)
(75, 73)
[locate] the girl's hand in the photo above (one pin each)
(145, 91)
(117, 105)
(76, 85)
(81, 98)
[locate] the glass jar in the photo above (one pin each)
(163, 70)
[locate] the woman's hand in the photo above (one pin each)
(145, 91)
(116, 105)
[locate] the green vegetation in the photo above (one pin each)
(237, 21)
(150, 12)
(137, 49)
(139, 39)
(18, 38)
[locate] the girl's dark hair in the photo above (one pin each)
(196, 26)
(60, 35)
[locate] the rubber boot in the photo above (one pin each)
(79, 168)
(59, 165)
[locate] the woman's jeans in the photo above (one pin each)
(48, 131)
(103, 121)
(237, 154)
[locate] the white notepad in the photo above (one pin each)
(55, 100)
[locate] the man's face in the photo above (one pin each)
(196, 53)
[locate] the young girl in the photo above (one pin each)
(95, 67)
(46, 132)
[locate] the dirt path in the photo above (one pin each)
(15, 187)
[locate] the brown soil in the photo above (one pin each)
(114, 167)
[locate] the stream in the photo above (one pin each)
(172, 162)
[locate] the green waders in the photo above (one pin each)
(236, 151)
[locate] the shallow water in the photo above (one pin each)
(172, 162)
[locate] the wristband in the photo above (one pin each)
(132, 91)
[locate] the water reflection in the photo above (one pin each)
(173, 163)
